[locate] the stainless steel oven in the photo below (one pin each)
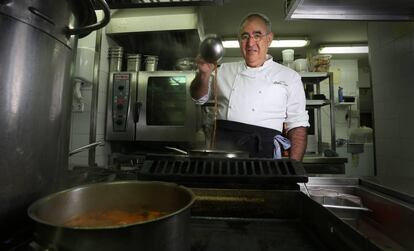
(151, 106)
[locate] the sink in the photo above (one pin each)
(384, 219)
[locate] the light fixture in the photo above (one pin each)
(277, 43)
(350, 49)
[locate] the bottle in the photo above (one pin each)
(340, 94)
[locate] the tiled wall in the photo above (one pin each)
(345, 75)
(80, 124)
(391, 55)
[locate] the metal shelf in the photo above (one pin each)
(314, 78)
(312, 103)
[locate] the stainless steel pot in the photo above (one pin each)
(37, 44)
(169, 232)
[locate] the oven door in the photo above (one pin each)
(121, 106)
(168, 112)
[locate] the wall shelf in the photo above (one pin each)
(313, 103)
(344, 104)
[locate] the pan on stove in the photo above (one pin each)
(215, 153)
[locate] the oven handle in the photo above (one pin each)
(136, 111)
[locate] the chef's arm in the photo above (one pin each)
(298, 140)
(200, 85)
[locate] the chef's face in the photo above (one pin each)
(254, 39)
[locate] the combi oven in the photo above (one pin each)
(151, 106)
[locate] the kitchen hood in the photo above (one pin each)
(376, 10)
(154, 19)
(168, 32)
(121, 4)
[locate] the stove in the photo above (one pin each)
(241, 204)
(224, 172)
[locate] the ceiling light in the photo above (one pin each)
(278, 43)
(343, 49)
(289, 43)
(231, 44)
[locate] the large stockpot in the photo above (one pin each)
(169, 232)
(37, 45)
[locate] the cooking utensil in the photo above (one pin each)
(36, 56)
(168, 232)
(211, 153)
(211, 49)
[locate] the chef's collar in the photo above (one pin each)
(252, 71)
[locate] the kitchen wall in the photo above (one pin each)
(346, 116)
(80, 123)
(347, 74)
(391, 58)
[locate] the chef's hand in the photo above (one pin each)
(200, 85)
(204, 68)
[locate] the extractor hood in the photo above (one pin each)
(378, 10)
(168, 32)
(154, 19)
(121, 4)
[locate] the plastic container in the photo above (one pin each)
(291, 65)
(320, 63)
(301, 65)
(288, 55)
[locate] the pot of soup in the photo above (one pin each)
(123, 215)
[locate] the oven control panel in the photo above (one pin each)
(120, 100)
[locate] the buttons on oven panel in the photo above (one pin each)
(121, 87)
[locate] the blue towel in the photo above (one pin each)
(280, 142)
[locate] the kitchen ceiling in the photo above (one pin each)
(224, 20)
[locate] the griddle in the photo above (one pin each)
(224, 172)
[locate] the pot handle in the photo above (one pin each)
(92, 27)
(176, 149)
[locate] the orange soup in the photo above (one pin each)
(111, 218)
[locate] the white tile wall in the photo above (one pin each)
(392, 58)
(348, 81)
(81, 121)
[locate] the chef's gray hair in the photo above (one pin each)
(263, 17)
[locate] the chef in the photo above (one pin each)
(256, 98)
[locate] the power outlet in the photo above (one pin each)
(78, 107)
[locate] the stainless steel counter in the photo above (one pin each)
(316, 164)
(380, 209)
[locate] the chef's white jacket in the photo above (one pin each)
(265, 96)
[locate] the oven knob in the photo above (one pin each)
(120, 106)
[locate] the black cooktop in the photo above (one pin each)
(224, 172)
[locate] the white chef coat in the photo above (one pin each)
(265, 96)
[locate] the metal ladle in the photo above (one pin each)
(211, 49)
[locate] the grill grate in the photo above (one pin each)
(225, 169)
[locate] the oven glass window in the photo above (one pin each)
(166, 100)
